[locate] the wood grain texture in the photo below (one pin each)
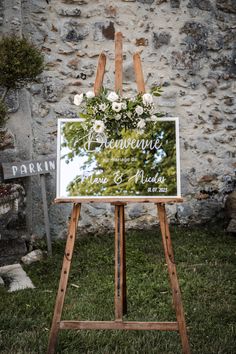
(138, 73)
(116, 200)
(122, 325)
(120, 263)
(118, 62)
(176, 294)
(64, 278)
(100, 73)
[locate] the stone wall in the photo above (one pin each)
(187, 46)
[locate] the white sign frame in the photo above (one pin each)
(60, 196)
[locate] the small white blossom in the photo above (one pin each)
(139, 110)
(99, 126)
(153, 118)
(147, 99)
(90, 94)
(116, 106)
(129, 114)
(102, 107)
(112, 96)
(141, 124)
(117, 116)
(78, 99)
(124, 105)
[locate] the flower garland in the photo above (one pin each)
(109, 113)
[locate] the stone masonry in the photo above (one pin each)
(187, 46)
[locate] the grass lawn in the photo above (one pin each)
(205, 258)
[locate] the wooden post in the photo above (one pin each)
(64, 278)
(118, 62)
(100, 73)
(138, 73)
(45, 212)
(120, 263)
(176, 294)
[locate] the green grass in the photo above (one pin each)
(206, 269)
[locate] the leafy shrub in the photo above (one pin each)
(20, 62)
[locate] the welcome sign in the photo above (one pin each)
(131, 163)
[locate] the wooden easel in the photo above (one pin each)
(120, 300)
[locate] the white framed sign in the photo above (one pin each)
(137, 164)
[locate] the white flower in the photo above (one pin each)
(103, 107)
(124, 105)
(112, 96)
(153, 118)
(90, 94)
(99, 126)
(78, 99)
(116, 106)
(141, 124)
(139, 110)
(117, 116)
(147, 99)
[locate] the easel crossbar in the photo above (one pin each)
(119, 325)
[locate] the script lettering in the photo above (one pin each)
(142, 178)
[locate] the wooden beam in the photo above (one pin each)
(114, 200)
(118, 62)
(100, 73)
(45, 213)
(138, 73)
(64, 278)
(160, 326)
(176, 294)
(120, 263)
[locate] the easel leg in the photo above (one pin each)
(64, 278)
(176, 294)
(120, 264)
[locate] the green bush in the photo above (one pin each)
(20, 62)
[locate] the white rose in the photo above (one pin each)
(147, 99)
(116, 106)
(78, 99)
(99, 126)
(112, 96)
(141, 124)
(139, 110)
(90, 94)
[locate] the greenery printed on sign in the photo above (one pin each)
(119, 147)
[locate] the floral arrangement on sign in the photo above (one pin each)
(119, 141)
(109, 113)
